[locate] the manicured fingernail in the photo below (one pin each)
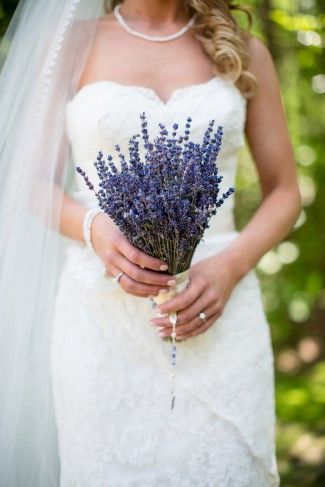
(172, 282)
(163, 267)
(163, 291)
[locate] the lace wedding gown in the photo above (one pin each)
(111, 370)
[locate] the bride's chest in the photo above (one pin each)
(105, 113)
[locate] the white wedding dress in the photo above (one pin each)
(111, 370)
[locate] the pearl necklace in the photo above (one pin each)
(171, 37)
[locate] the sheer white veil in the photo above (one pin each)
(42, 56)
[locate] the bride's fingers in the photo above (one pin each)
(128, 284)
(185, 298)
(118, 263)
(204, 301)
(157, 279)
(137, 256)
(183, 329)
(199, 329)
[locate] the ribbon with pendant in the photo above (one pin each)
(182, 280)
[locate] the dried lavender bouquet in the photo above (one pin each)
(163, 203)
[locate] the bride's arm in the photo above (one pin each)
(213, 279)
(271, 148)
(71, 220)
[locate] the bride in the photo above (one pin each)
(84, 391)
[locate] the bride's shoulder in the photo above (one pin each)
(99, 30)
(261, 60)
(107, 21)
(256, 47)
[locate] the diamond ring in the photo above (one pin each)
(118, 277)
(202, 316)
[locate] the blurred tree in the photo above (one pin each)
(293, 273)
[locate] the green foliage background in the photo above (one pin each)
(293, 273)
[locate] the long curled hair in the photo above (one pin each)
(222, 39)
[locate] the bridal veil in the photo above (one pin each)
(42, 56)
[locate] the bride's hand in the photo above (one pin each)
(118, 254)
(211, 283)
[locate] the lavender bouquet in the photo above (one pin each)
(163, 202)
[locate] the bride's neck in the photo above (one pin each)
(155, 12)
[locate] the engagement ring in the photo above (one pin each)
(202, 316)
(118, 276)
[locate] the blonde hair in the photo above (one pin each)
(222, 39)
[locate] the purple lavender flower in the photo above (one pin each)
(163, 203)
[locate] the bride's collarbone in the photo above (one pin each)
(162, 69)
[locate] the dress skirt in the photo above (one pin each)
(111, 387)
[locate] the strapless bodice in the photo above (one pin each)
(104, 113)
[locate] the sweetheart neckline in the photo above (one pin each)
(150, 91)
